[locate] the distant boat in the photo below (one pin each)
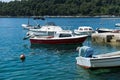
(104, 30)
(47, 30)
(28, 26)
(117, 25)
(61, 37)
(84, 30)
(86, 59)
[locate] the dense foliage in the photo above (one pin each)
(60, 7)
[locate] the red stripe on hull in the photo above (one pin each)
(58, 41)
(86, 67)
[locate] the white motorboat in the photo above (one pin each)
(48, 30)
(84, 30)
(117, 25)
(28, 26)
(86, 59)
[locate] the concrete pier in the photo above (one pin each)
(109, 38)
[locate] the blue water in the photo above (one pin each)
(51, 62)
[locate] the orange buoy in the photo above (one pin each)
(22, 57)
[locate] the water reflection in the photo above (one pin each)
(106, 74)
(114, 44)
(55, 46)
(99, 74)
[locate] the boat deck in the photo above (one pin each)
(113, 54)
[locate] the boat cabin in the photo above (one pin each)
(85, 28)
(64, 33)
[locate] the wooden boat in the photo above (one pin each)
(61, 37)
(84, 30)
(107, 60)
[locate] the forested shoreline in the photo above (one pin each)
(60, 8)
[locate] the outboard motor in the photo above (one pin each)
(86, 51)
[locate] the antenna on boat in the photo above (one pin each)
(28, 20)
(38, 18)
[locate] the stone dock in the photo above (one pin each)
(108, 38)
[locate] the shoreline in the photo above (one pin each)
(103, 16)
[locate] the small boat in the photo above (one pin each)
(61, 37)
(103, 30)
(28, 26)
(47, 30)
(84, 30)
(117, 25)
(86, 58)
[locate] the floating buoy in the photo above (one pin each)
(22, 57)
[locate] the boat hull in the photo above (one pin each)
(117, 25)
(98, 62)
(104, 30)
(58, 40)
(89, 33)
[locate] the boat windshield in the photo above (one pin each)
(50, 24)
(65, 35)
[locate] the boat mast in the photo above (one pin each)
(28, 20)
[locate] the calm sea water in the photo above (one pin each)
(51, 62)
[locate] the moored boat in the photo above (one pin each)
(84, 30)
(61, 37)
(117, 25)
(88, 60)
(47, 30)
(28, 26)
(104, 30)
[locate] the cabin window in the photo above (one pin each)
(80, 29)
(90, 29)
(51, 33)
(65, 35)
(86, 29)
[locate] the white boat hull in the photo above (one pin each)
(45, 31)
(28, 27)
(100, 62)
(117, 24)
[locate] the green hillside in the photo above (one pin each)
(60, 8)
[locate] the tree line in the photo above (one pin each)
(60, 8)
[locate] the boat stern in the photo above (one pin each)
(84, 62)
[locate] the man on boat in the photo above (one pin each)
(85, 51)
